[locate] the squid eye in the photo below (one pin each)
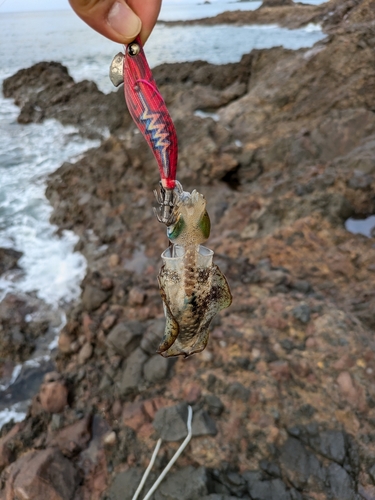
(176, 229)
(133, 49)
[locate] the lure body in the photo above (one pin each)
(148, 110)
(193, 289)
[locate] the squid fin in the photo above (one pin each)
(171, 326)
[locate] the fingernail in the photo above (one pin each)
(123, 20)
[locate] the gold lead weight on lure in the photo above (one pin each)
(193, 289)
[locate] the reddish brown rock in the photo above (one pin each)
(134, 415)
(73, 438)
(136, 297)
(65, 341)
(280, 370)
(85, 353)
(6, 451)
(109, 321)
(350, 391)
(53, 394)
(41, 474)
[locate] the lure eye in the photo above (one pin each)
(133, 49)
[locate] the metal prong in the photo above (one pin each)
(116, 70)
(167, 199)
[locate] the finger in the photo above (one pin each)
(148, 11)
(117, 20)
(112, 18)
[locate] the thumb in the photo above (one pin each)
(112, 18)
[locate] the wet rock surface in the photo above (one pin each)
(283, 396)
(9, 259)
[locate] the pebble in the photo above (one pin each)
(53, 396)
(156, 368)
(114, 260)
(238, 391)
(125, 337)
(65, 341)
(73, 438)
(171, 422)
(215, 405)
(346, 386)
(106, 284)
(302, 313)
(134, 415)
(110, 439)
(136, 297)
(133, 373)
(108, 321)
(117, 409)
(85, 353)
(93, 297)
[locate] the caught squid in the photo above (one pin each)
(193, 289)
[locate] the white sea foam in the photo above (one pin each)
(16, 413)
(28, 153)
(16, 371)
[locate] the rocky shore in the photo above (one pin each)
(284, 395)
(286, 13)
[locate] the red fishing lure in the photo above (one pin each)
(148, 110)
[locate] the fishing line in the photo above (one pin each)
(170, 463)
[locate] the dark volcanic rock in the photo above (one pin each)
(8, 259)
(93, 297)
(302, 468)
(125, 337)
(215, 405)
(342, 486)
(186, 484)
(302, 312)
(133, 373)
(156, 368)
(273, 489)
(125, 484)
(171, 423)
(46, 90)
(277, 3)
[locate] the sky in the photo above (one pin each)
(29, 5)
(36, 5)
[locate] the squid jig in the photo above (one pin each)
(193, 289)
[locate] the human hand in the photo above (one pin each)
(118, 20)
